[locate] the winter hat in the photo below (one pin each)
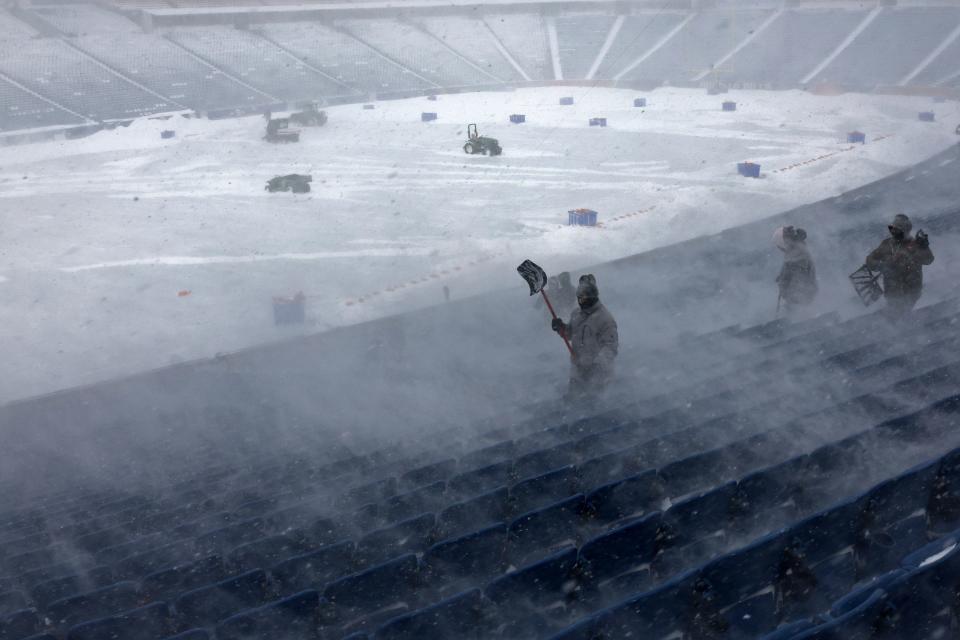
(783, 235)
(901, 222)
(588, 287)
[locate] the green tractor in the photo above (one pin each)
(480, 144)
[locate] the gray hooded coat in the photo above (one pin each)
(593, 335)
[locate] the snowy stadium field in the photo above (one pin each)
(124, 252)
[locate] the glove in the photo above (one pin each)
(557, 325)
(923, 240)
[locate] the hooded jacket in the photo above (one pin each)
(593, 335)
(901, 263)
(798, 277)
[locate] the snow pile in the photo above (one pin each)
(103, 232)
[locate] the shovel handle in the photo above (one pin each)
(554, 314)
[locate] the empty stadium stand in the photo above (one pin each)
(620, 525)
(783, 480)
(135, 57)
(260, 63)
(911, 34)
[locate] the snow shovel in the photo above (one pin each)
(536, 277)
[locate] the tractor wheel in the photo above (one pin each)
(469, 148)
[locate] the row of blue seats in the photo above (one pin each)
(569, 573)
(484, 551)
(400, 532)
(921, 311)
(817, 560)
(624, 554)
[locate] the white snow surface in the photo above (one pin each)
(124, 252)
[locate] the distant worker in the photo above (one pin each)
(562, 295)
(593, 336)
(798, 276)
(900, 260)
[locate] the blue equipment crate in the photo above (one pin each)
(729, 105)
(639, 102)
(368, 107)
(857, 136)
(748, 169)
(517, 118)
(566, 101)
(289, 310)
(166, 135)
(427, 116)
(598, 122)
(582, 218)
(926, 116)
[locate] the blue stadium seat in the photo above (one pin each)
(12, 601)
(654, 614)
(532, 493)
(859, 624)
(586, 629)
(19, 624)
(827, 532)
(699, 516)
(752, 617)
(169, 583)
(608, 468)
(631, 497)
(142, 564)
(209, 604)
(898, 497)
(192, 634)
(544, 460)
(414, 534)
(694, 473)
(735, 576)
(375, 588)
(461, 616)
(51, 590)
(862, 591)
(98, 540)
(371, 492)
(296, 617)
(620, 550)
(537, 533)
(488, 455)
(325, 531)
(426, 499)
(24, 562)
(831, 579)
(480, 555)
(534, 586)
(146, 623)
(231, 536)
(111, 555)
(266, 552)
(436, 472)
(768, 489)
(883, 550)
(314, 568)
(473, 514)
(93, 604)
(478, 481)
(790, 629)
